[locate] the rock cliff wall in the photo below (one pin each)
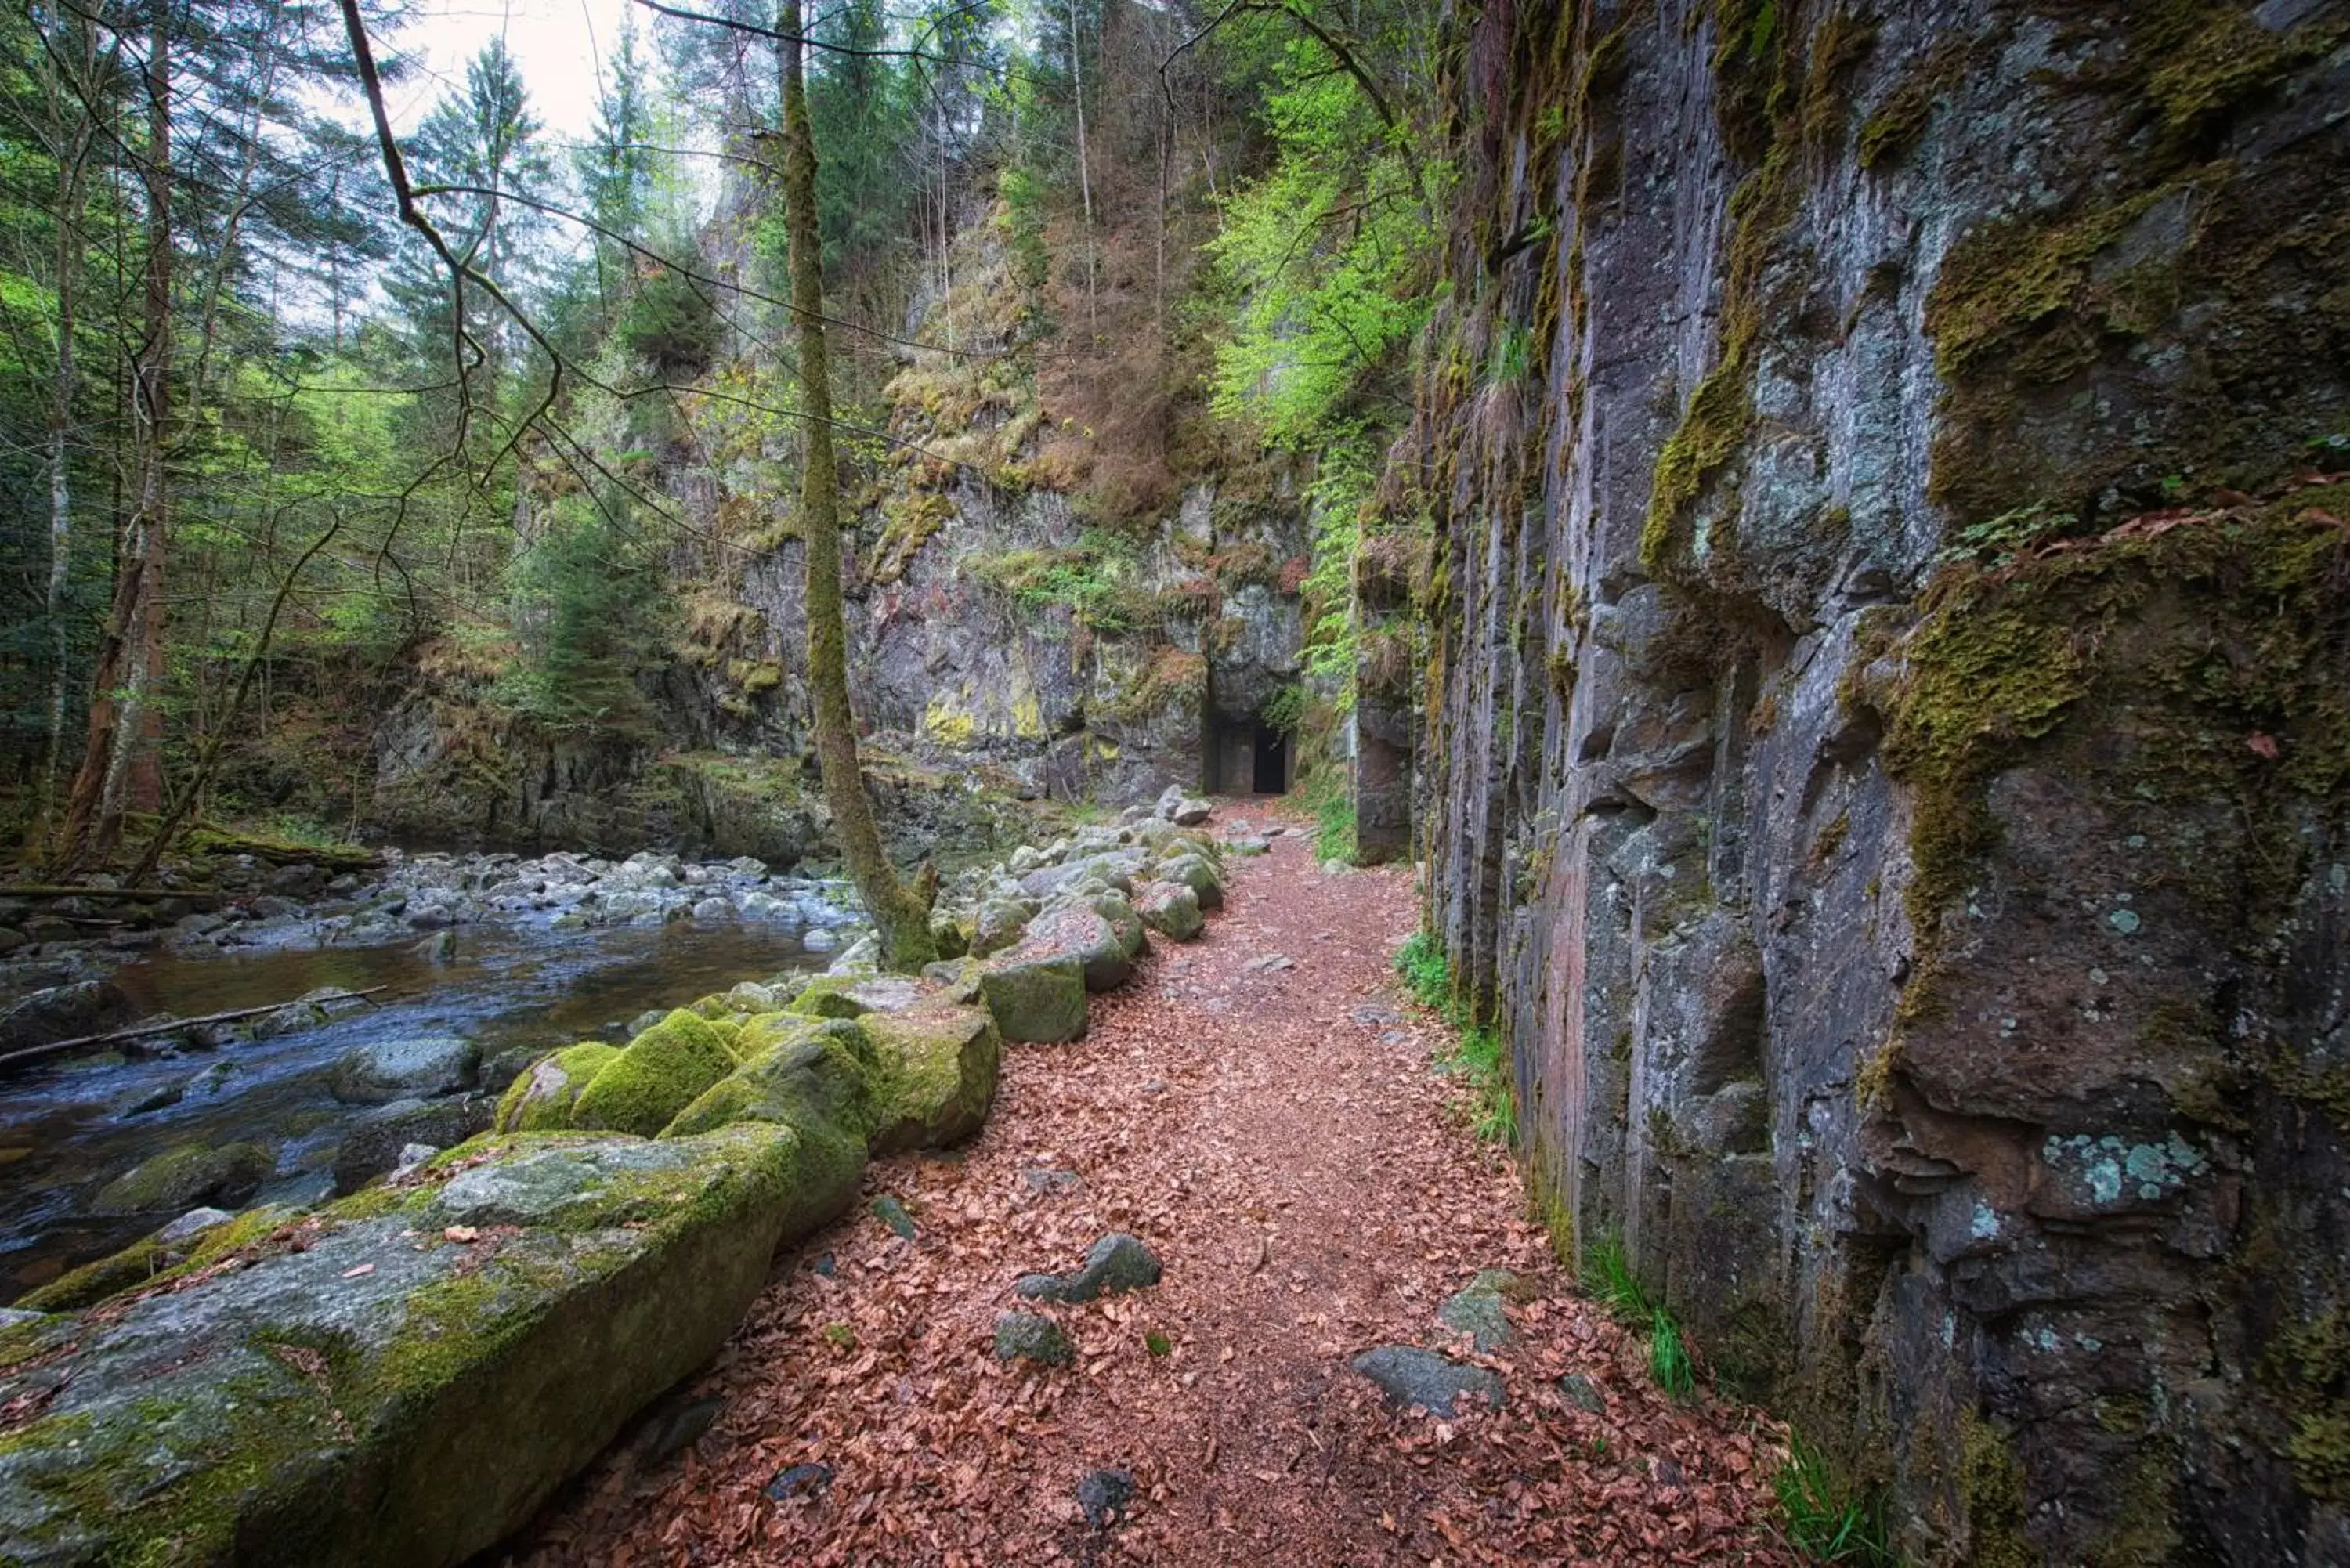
(1887, 762)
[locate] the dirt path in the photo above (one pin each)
(1276, 1136)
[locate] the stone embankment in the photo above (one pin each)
(403, 1375)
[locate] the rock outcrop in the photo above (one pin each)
(1888, 775)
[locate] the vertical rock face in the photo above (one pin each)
(1891, 736)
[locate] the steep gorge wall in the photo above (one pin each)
(1887, 763)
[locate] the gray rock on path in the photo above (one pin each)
(1027, 1336)
(1192, 812)
(1582, 1394)
(1115, 1264)
(1477, 1309)
(1412, 1376)
(1104, 1495)
(404, 1069)
(1171, 801)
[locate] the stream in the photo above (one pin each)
(67, 1128)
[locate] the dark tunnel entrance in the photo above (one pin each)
(1271, 759)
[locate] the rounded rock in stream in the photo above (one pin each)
(404, 1069)
(180, 1179)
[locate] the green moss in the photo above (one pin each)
(819, 1078)
(2208, 59)
(541, 1099)
(1991, 1497)
(659, 1074)
(1892, 128)
(936, 1075)
(2192, 638)
(147, 1262)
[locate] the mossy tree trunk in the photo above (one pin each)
(900, 909)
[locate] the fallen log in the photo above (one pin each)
(167, 1026)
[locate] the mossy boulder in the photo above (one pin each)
(367, 1401)
(1196, 871)
(1000, 923)
(854, 996)
(1036, 996)
(662, 1071)
(1170, 908)
(149, 1260)
(541, 1099)
(179, 1179)
(1076, 929)
(814, 1073)
(938, 1068)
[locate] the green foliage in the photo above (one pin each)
(1097, 580)
(1326, 794)
(1607, 1278)
(1826, 1521)
(672, 321)
(1284, 710)
(1668, 1360)
(578, 595)
(1328, 254)
(1427, 973)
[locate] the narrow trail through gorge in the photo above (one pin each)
(1277, 1134)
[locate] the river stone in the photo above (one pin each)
(374, 1145)
(1037, 995)
(404, 1069)
(499, 1072)
(65, 1013)
(179, 1179)
(1170, 908)
(937, 1067)
(369, 1403)
(1028, 1337)
(662, 1071)
(541, 1099)
(1476, 1310)
(1115, 1264)
(1412, 1376)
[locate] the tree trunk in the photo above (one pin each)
(73, 147)
(1084, 173)
(121, 766)
(902, 911)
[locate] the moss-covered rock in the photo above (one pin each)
(660, 1073)
(541, 1099)
(854, 996)
(937, 1076)
(817, 1073)
(1036, 997)
(363, 1400)
(1076, 929)
(182, 1177)
(1197, 872)
(148, 1260)
(1170, 908)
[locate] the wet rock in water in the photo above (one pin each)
(817, 940)
(1104, 1496)
(713, 909)
(750, 996)
(1582, 1394)
(675, 1424)
(1477, 1309)
(892, 1214)
(1028, 1337)
(1410, 1377)
(180, 1179)
(1115, 1264)
(1041, 1180)
(152, 1099)
(65, 1013)
(1036, 996)
(799, 1480)
(190, 1223)
(441, 946)
(375, 1142)
(646, 1020)
(404, 1069)
(11, 939)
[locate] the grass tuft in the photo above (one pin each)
(1668, 1360)
(1480, 1053)
(1826, 1521)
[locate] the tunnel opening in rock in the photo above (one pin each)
(1270, 761)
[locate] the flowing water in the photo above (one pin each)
(67, 1129)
